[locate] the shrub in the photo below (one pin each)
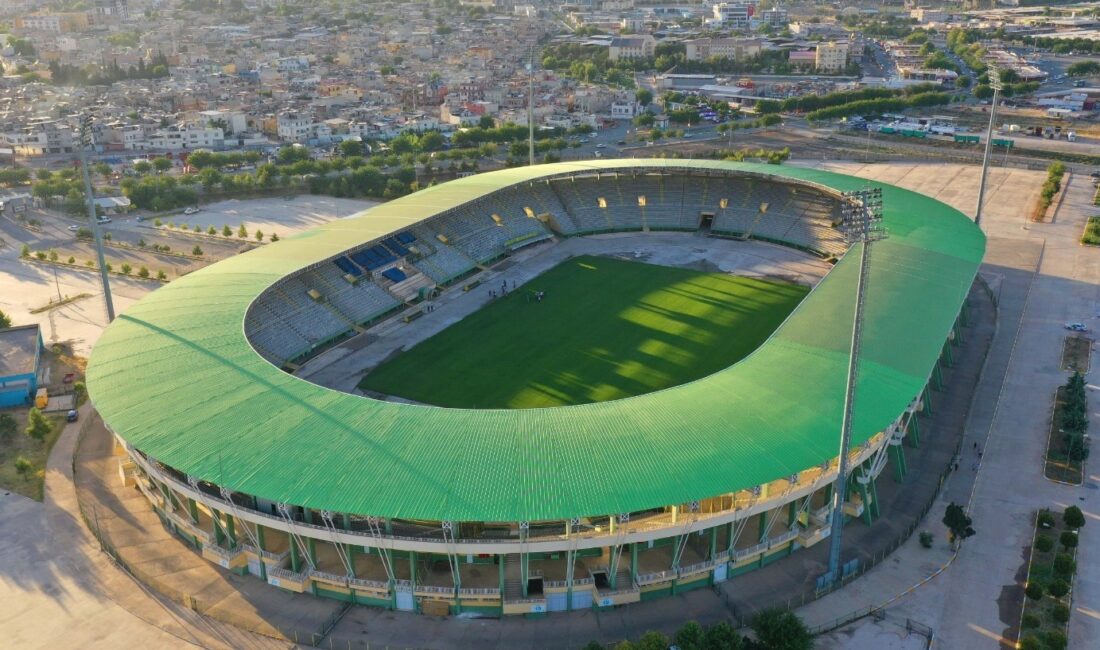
(926, 539)
(196, 251)
(157, 222)
(1073, 517)
(126, 268)
(1055, 640)
(143, 272)
(1058, 588)
(1030, 642)
(38, 426)
(776, 628)
(211, 230)
(274, 237)
(1034, 590)
(689, 636)
(242, 232)
(23, 466)
(227, 231)
(53, 255)
(1043, 543)
(1060, 613)
(1068, 540)
(197, 228)
(259, 235)
(71, 260)
(1030, 620)
(1046, 519)
(25, 252)
(1064, 565)
(161, 275)
(40, 255)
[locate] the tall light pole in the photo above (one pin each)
(862, 225)
(89, 199)
(531, 108)
(995, 83)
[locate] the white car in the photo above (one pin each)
(191, 210)
(74, 227)
(1076, 327)
(103, 220)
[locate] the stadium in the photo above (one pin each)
(605, 429)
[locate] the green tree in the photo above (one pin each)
(1073, 518)
(259, 235)
(721, 636)
(25, 251)
(1064, 565)
(143, 167)
(38, 425)
(162, 165)
(227, 231)
(1058, 588)
(143, 272)
(211, 230)
(161, 275)
(1043, 543)
(242, 232)
(652, 641)
(126, 268)
(196, 251)
(644, 96)
(274, 237)
(777, 629)
(1034, 590)
(103, 169)
(5, 320)
(689, 636)
(8, 426)
(349, 148)
(23, 466)
(1068, 540)
(957, 522)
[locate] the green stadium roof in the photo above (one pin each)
(175, 377)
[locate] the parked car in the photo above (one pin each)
(71, 416)
(1076, 327)
(102, 220)
(74, 227)
(191, 210)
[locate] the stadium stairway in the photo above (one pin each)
(513, 578)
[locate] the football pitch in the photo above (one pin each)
(605, 329)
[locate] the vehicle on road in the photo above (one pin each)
(1095, 174)
(74, 227)
(102, 220)
(191, 210)
(71, 416)
(1076, 327)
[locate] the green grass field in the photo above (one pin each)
(606, 329)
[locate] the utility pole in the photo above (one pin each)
(995, 82)
(862, 225)
(89, 199)
(531, 109)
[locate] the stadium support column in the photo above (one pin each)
(897, 454)
(412, 577)
(957, 333)
(295, 561)
(311, 547)
(193, 511)
(261, 546)
(913, 432)
(948, 357)
(762, 534)
(634, 563)
(713, 542)
(230, 530)
(937, 377)
(500, 577)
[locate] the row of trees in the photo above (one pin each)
(64, 74)
(774, 629)
(125, 268)
(806, 103)
(879, 106)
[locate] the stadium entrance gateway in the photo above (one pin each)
(706, 221)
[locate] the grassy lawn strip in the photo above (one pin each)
(606, 329)
(1045, 618)
(18, 445)
(1091, 236)
(1076, 353)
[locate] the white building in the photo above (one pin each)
(701, 49)
(293, 127)
(736, 15)
(179, 138)
(831, 56)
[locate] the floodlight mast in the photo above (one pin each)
(89, 199)
(862, 224)
(995, 83)
(531, 108)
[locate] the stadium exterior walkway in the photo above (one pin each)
(186, 577)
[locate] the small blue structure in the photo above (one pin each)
(20, 353)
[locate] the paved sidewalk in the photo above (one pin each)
(57, 590)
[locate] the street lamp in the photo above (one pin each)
(995, 83)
